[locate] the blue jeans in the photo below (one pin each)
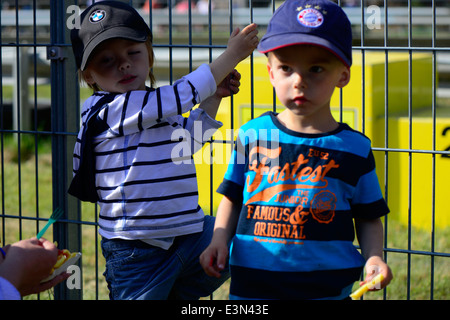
(136, 270)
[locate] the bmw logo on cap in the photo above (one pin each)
(97, 16)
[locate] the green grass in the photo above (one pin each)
(30, 195)
(44, 92)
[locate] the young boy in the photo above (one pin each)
(289, 202)
(152, 226)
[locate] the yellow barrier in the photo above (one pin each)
(422, 197)
(363, 110)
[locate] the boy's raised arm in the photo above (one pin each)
(136, 109)
(240, 45)
(230, 85)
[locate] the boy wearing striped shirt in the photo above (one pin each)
(298, 179)
(152, 226)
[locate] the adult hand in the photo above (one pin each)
(27, 263)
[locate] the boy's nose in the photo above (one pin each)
(299, 81)
(124, 64)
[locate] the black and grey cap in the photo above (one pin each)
(103, 21)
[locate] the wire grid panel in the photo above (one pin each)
(399, 99)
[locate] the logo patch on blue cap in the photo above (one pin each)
(97, 16)
(310, 18)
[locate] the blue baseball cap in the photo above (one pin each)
(317, 22)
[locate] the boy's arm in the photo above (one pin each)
(213, 259)
(240, 45)
(230, 85)
(370, 238)
(200, 124)
(135, 110)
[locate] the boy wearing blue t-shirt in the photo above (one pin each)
(298, 179)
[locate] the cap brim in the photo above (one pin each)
(122, 32)
(285, 40)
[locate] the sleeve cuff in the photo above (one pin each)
(203, 81)
(232, 190)
(8, 291)
(370, 211)
(206, 118)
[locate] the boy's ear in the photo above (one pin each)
(345, 78)
(88, 77)
(269, 69)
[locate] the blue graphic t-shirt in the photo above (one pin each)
(300, 193)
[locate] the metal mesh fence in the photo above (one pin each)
(399, 97)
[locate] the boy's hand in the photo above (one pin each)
(213, 259)
(242, 43)
(230, 85)
(374, 266)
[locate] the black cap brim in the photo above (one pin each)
(122, 32)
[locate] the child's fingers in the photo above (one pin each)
(221, 259)
(377, 270)
(207, 261)
(205, 258)
(387, 277)
(376, 282)
(212, 271)
(235, 32)
(234, 89)
(251, 32)
(234, 86)
(250, 28)
(235, 75)
(234, 82)
(217, 263)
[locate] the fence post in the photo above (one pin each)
(64, 95)
(21, 109)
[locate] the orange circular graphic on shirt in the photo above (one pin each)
(323, 206)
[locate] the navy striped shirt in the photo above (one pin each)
(144, 173)
(300, 193)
